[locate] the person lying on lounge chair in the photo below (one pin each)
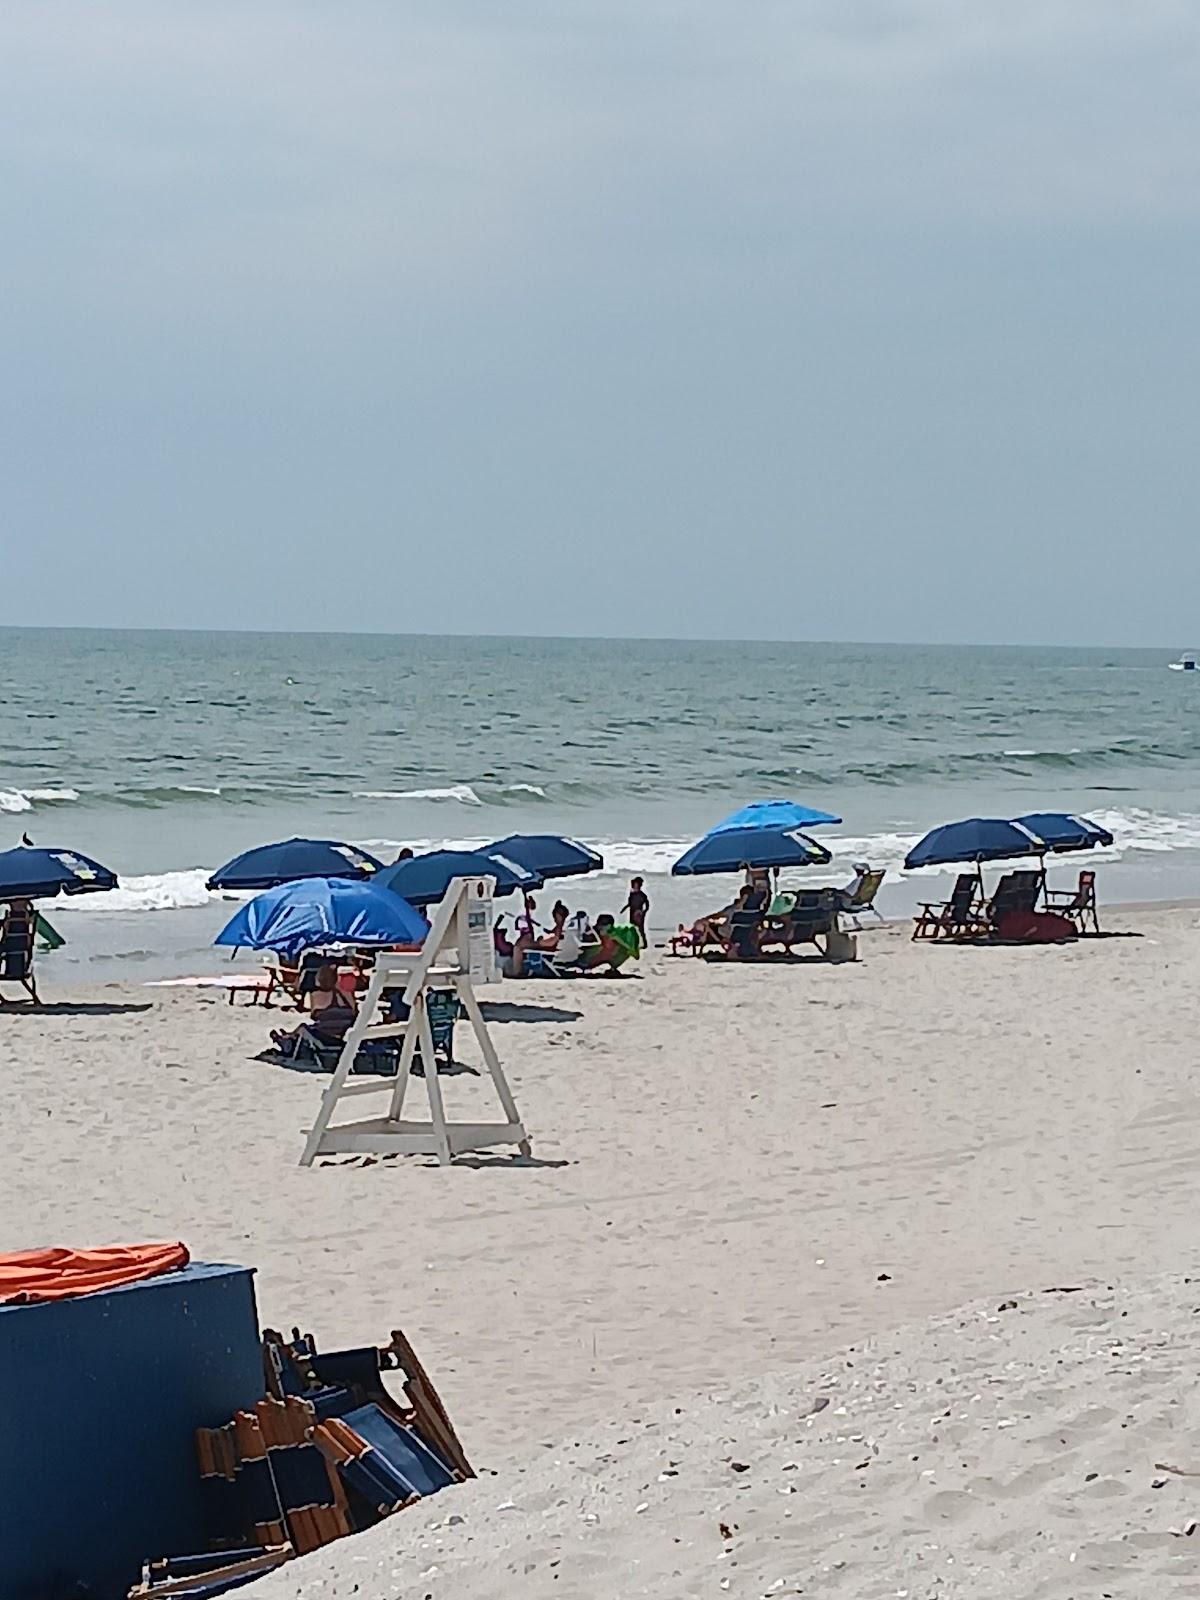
(331, 1013)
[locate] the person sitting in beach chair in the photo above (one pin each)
(331, 1012)
(566, 959)
(17, 932)
(615, 944)
(744, 935)
(1078, 904)
(710, 930)
(857, 898)
(960, 917)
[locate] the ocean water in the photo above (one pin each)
(163, 754)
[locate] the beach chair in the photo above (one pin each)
(960, 917)
(17, 933)
(283, 977)
(443, 1008)
(1079, 904)
(566, 960)
(695, 940)
(744, 940)
(862, 902)
(1016, 895)
(813, 915)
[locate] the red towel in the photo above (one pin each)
(29, 1276)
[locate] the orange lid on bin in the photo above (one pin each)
(30, 1276)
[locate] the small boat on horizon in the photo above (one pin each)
(1186, 663)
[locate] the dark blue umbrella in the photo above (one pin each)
(547, 855)
(734, 848)
(30, 873)
(311, 912)
(425, 879)
(776, 814)
(977, 839)
(1060, 832)
(291, 859)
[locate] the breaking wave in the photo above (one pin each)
(17, 800)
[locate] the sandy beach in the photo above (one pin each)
(753, 1190)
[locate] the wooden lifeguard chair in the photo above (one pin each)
(458, 948)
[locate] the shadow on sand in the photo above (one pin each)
(69, 1008)
(512, 1011)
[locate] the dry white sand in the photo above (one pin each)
(733, 1158)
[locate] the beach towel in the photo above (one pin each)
(46, 933)
(28, 1277)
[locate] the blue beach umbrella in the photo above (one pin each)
(776, 814)
(292, 917)
(1061, 832)
(31, 873)
(976, 839)
(291, 859)
(425, 879)
(547, 855)
(734, 848)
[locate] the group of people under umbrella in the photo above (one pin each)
(319, 893)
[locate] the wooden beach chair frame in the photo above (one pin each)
(24, 977)
(1078, 904)
(934, 919)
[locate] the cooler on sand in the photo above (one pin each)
(100, 1397)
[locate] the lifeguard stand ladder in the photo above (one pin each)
(459, 944)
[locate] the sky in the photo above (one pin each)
(834, 319)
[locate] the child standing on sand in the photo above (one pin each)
(638, 905)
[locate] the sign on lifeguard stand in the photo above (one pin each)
(457, 950)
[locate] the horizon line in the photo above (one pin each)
(570, 638)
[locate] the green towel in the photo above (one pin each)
(50, 937)
(627, 936)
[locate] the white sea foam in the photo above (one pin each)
(156, 891)
(462, 792)
(196, 788)
(14, 800)
(1134, 831)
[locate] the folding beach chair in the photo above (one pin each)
(1016, 894)
(960, 917)
(283, 976)
(1079, 904)
(813, 914)
(443, 1008)
(862, 902)
(566, 960)
(16, 951)
(323, 1047)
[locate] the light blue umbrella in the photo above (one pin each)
(775, 814)
(311, 912)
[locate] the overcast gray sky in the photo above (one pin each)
(796, 318)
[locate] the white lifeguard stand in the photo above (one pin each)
(458, 948)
